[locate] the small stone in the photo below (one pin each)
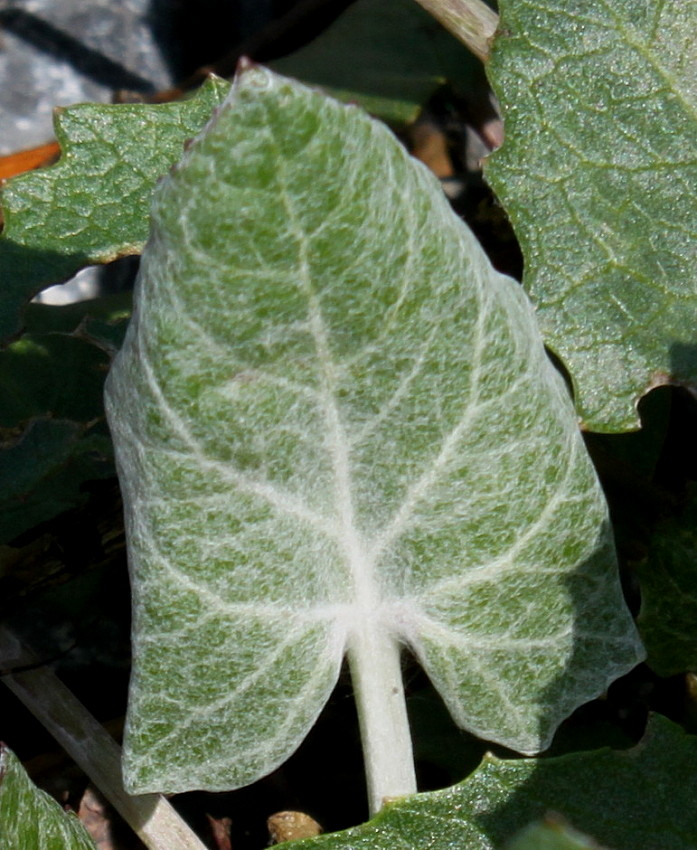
(290, 826)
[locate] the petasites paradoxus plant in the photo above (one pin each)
(338, 432)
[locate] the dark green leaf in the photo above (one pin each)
(598, 174)
(388, 55)
(41, 474)
(629, 799)
(91, 207)
(668, 576)
(53, 436)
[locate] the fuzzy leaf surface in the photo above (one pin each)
(599, 175)
(92, 206)
(29, 818)
(641, 797)
(331, 414)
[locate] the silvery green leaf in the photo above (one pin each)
(338, 431)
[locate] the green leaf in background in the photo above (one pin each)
(29, 818)
(551, 834)
(388, 55)
(628, 799)
(41, 474)
(51, 374)
(336, 428)
(436, 745)
(599, 177)
(53, 437)
(668, 577)
(91, 207)
(101, 321)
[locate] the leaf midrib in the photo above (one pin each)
(366, 595)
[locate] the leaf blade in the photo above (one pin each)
(617, 796)
(381, 387)
(668, 581)
(598, 176)
(92, 206)
(30, 818)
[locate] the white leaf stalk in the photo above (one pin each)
(374, 659)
